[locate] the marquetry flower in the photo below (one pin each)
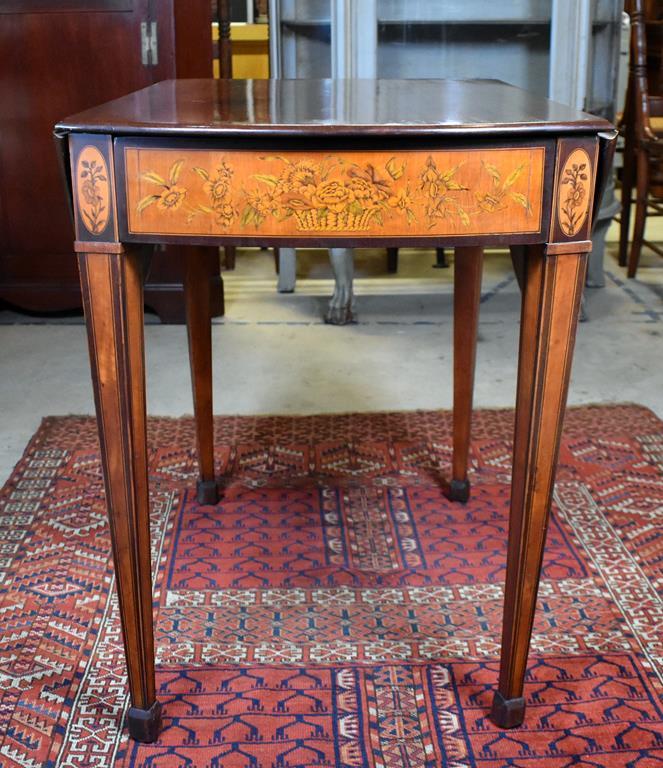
(224, 171)
(90, 192)
(402, 200)
(362, 188)
(577, 196)
(301, 178)
(171, 198)
(261, 202)
(430, 174)
(217, 187)
(225, 213)
(332, 195)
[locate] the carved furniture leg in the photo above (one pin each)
(550, 304)
(341, 305)
(199, 329)
(112, 287)
(468, 263)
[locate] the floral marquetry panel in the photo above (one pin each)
(418, 193)
(93, 185)
(93, 189)
(574, 192)
(574, 189)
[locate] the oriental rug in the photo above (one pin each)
(334, 609)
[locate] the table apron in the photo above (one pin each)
(481, 194)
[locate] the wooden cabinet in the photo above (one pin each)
(58, 57)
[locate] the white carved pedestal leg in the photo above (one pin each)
(341, 306)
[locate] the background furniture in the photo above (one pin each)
(513, 169)
(249, 50)
(59, 57)
(643, 139)
(567, 49)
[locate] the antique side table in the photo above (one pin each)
(335, 163)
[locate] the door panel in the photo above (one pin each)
(58, 57)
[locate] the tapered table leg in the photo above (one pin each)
(468, 264)
(112, 286)
(551, 300)
(199, 328)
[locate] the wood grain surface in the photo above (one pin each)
(460, 192)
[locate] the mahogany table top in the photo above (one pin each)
(416, 108)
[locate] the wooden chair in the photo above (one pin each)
(643, 146)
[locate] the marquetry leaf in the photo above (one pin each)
(454, 185)
(266, 178)
(394, 168)
(299, 205)
(201, 172)
(513, 177)
(175, 171)
(448, 175)
(521, 200)
(248, 215)
(146, 201)
(493, 172)
(155, 178)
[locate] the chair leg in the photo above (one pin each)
(199, 329)
(392, 260)
(440, 259)
(627, 196)
(640, 212)
(229, 254)
(468, 263)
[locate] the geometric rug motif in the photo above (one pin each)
(334, 609)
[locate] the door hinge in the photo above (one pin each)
(149, 44)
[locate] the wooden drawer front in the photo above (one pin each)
(204, 192)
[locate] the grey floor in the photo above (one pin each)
(273, 354)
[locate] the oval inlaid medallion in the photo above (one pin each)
(573, 192)
(93, 190)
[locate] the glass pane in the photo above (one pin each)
(604, 59)
(466, 39)
(305, 38)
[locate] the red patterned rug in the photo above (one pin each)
(335, 609)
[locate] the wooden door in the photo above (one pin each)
(58, 57)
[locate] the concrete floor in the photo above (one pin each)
(273, 354)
